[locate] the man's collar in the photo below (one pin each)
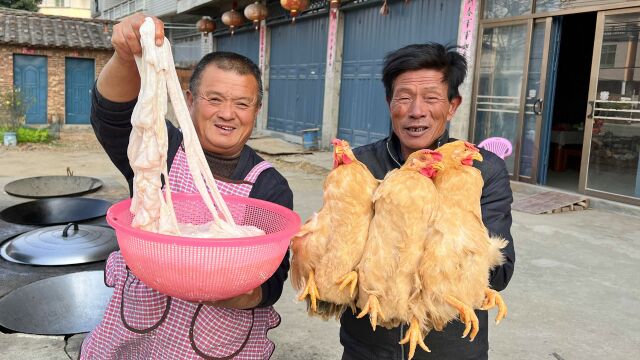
(393, 146)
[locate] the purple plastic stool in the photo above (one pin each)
(497, 145)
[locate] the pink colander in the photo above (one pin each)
(196, 269)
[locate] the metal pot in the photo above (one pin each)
(55, 211)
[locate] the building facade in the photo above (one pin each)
(554, 77)
(70, 8)
(557, 78)
(186, 41)
(54, 62)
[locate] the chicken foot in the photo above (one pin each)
(311, 289)
(350, 278)
(414, 337)
(492, 299)
(372, 307)
(467, 316)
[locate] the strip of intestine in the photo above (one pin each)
(152, 208)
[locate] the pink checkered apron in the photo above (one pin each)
(141, 323)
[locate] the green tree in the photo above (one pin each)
(30, 5)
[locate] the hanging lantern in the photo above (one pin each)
(256, 12)
(206, 25)
(232, 19)
(295, 7)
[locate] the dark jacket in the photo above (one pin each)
(361, 342)
(112, 125)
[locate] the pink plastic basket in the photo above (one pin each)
(195, 269)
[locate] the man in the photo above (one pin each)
(224, 97)
(421, 84)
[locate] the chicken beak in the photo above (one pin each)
(476, 156)
(438, 166)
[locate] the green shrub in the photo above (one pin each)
(29, 135)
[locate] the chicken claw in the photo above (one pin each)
(467, 316)
(414, 337)
(493, 299)
(312, 290)
(349, 278)
(372, 307)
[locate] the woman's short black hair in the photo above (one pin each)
(445, 59)
(228, 61)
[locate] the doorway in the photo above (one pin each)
(571, 88)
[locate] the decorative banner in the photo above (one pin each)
(262, 49)
(331, 42)
(467, 28)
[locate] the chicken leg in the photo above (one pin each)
(311, 289)
(467, 316)
(372, 307)
(350, 278)
(414, 337)
(492, 299)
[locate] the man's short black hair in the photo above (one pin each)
(445, 59)
(228, 61)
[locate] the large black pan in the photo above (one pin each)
(42, 187)
(55, 211)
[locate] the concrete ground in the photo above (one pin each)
(575, 293)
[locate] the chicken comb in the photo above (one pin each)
(471, 146)
(435, 154)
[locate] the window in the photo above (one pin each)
(608, 55)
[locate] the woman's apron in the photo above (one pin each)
(141, 323)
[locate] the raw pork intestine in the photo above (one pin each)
(152, 208)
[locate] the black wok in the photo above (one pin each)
(55, 211)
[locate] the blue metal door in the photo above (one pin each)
(296, 78)
(79, 77)
(368, 37)
(245, 43)
(30, 76)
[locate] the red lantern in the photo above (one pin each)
(206, 25)
(256, 12)
(232, 19)
(295, 7)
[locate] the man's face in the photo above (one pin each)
(420, 109)
(224, 110)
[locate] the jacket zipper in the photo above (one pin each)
(401, 337)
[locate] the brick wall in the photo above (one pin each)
(55, 68)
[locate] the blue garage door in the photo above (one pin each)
(79, 77)
(30, 76)
(246, 43)
(296, 77)
(368, 37)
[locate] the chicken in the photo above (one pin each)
(328, 247)
(406, 206)
(455, 266)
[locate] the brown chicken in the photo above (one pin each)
(329, 246)
(455, 266)
(406, 206)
